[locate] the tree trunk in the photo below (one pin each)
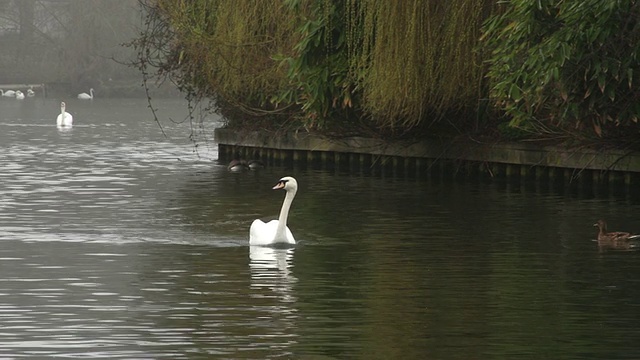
(26, 10)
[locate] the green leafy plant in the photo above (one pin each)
(317, 69)
(567, 64)
(372, 63)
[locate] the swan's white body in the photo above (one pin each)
(19, 95)
(64, 119)
(30, 93)
(276, 231)
(8, 93)
(85, 96)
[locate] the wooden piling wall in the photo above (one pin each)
(436, 158)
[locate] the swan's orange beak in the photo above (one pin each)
(279, 185)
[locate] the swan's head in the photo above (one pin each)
(62, 106)
(287, 183)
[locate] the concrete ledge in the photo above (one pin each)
(516, 153)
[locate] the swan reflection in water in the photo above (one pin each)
(65, 130)
(272, 292)
(271, 270)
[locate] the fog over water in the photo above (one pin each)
(70, 46)
(122, 237)
(119, 242)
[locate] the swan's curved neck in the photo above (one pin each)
(284, 214)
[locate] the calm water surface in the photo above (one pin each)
(117, 242)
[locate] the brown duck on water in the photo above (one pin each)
(603, 235)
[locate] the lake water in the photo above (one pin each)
(118, 242)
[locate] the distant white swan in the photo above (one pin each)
(30, 93)
(19, 95)
(85, 96)
(276, 231)
(64, 119)
(8, 93)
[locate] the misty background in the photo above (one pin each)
(71, 46)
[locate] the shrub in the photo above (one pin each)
(566, 64)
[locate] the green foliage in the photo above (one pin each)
(317, 69)
(566, 63)
(415, 60)
(399, 64)
(508, 132)
(219, 49)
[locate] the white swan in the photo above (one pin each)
(19, 95)
(8, 93)
(85, 96)
(276, 231)
(64, 119)
(30, 93)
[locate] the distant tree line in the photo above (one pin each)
(73, 43)
(536, 69)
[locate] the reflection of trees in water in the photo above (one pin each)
(213, 298)
(221, 203)
(72, 42)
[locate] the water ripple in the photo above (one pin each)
(119, 243)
